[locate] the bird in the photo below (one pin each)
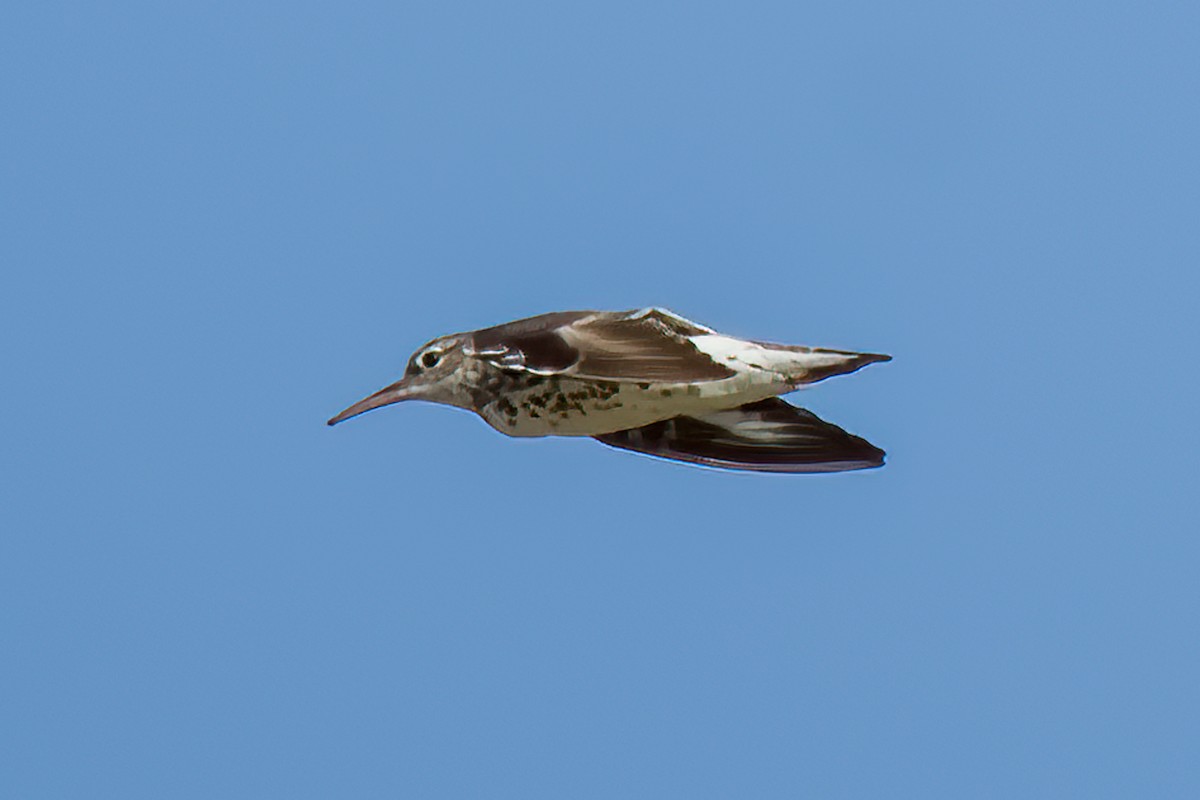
(645, 380)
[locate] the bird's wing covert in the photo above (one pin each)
(644, 345)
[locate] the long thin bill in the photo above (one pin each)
(384, 397)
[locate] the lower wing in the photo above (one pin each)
(767, 436)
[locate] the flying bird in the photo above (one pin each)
(646, 380)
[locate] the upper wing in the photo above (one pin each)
(644, 345)
(767, 436)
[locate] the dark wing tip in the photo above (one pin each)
(860, 360)
(797, 441)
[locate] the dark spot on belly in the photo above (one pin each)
(560, 405)
(643, 386)
(665, 392)
(506, 407)
(606, 389)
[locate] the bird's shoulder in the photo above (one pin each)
(649, 344)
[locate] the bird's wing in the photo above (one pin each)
(767, 436)
(645, 345)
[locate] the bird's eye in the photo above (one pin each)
(430, 360)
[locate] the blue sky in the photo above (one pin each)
(222, 224)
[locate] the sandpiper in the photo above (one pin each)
(646, 380)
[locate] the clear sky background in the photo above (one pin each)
(224, 222)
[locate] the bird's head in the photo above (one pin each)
(433, 374)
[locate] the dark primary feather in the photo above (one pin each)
(767, 436)
(622, 346)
